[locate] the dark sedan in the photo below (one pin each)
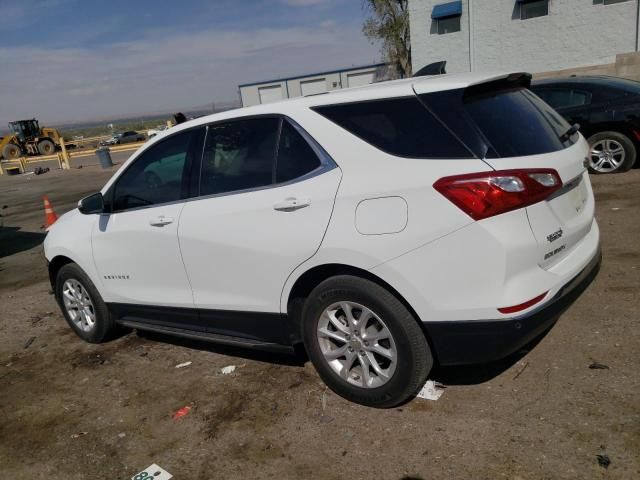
(608, 111)
(126, 137)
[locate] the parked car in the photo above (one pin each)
(608, 111)
(126, 137)
(152, 132)
(384, 228)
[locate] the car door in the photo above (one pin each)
(135, 247)
(266, 196)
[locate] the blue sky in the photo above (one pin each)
(73, 60)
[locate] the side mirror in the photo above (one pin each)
(91, 204)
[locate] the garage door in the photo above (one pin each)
(312, 87)
(270, 94)
(359, 79)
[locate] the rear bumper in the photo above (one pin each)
(481, 341)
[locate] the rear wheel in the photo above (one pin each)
(364, 343)
(611, 152)
(82, 305)
(11, 151)
(46, 147)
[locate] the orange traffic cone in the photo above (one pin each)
(50, 216)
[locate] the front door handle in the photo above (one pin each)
(160, 221)
(292, 203)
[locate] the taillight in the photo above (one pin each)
(483, 195)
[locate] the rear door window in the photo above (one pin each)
(400, 126)
(296, 158)
(239, 155)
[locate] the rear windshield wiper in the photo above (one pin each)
(571, 131)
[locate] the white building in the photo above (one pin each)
(310, 84)
(521, 35)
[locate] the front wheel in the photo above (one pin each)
(611, 152)
(364, 343)
(82, 305)
(46, 147)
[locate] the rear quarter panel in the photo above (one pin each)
(369, 173)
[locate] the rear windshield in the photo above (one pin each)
(517, 123)
(500, 122)
(629, 86)
(399, 126)
(614, 89)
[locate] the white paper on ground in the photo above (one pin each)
(228, 369)
(431, 391)
(182, 365)
(153, 472)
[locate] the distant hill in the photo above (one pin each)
(140, 121)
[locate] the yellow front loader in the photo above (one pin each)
(27, 138)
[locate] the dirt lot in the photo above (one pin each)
(70, 410)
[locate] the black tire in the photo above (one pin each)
(628, 152)
(11, 151)
(46, 147)
(414, 359)
(104, 327)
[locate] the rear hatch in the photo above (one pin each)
(509, 127)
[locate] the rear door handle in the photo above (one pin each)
(160, 221)
(290, 204)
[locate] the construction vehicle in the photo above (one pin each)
(27, 138)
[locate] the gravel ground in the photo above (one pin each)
(70, 410)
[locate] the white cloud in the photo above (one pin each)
(165, 72)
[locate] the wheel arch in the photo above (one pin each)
(621, 127)
(312, 277)
(55, 265)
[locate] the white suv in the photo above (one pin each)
(446, 219)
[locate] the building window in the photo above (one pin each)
(533, 8)
(446, 17)
(448, 25)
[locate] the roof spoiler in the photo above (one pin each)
(513, 80)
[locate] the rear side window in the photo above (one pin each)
(516, 122)
(401, 126)
(239, 155)
(295, 156)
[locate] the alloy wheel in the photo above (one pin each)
(78, 305)
(357, 344)
(607, 155)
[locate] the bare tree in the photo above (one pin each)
(388, 20)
